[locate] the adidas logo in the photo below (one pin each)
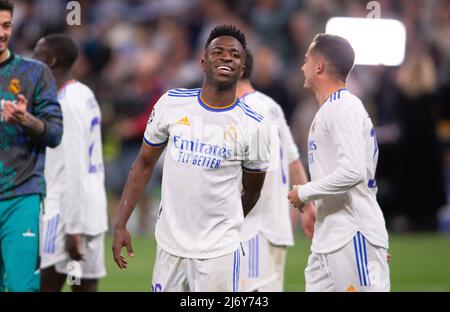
(29, 233)
(184, 121)
(351, 288)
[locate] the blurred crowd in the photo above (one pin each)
(133, 51)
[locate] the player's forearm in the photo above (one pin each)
(32, 125)
(340, 181)
(297, 174)
(249, 200)
(137, 180)
(47, 132)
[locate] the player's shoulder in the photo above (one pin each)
(76, 91)
(264, 104)
(248, 112)
(180, 96)
(77, 96)
(80, 88)
(344, 100)
(183, 93)
(31, 65)
(30, 62)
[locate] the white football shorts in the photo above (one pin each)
(53, 252)
(358, 266)
(177, 274)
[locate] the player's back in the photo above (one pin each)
(74, 170)
(271, 213)
(342, 136)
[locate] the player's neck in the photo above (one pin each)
(4, 56)
(244, 87)
(214, 96)
(327, 89)
(62, 77)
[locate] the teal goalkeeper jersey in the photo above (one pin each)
(22, 157)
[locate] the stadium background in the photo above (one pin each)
(132, 51)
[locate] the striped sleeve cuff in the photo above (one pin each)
(253, 170)
(154, 145)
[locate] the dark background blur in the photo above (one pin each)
(133, 51)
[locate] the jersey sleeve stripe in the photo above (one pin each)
(253, 170)
(249, 114)
(251, 110)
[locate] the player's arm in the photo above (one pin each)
(346, 128)
(138, 178)
(16, 113)
(252, 184)
(255, 166)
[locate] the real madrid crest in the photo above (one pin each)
(230, 134)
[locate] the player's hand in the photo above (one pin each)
(15, 112)
(121, 238)
(294, 199)
(73, 243)
(389, 258)
(308, 218)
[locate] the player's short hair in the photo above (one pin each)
(63, 48)
(6, 5)
(248, 65)
(337, 51)
(227, 30)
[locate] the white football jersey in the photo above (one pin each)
(74, 170)
(342, 156)
(207, 149)
(270, 215)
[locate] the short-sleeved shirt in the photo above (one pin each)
(207, 150)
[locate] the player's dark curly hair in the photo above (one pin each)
(6, 5)
(227, 30)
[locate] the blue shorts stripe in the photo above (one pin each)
(249, 258)
(362, 260)
(357, 260)
(238, 269)
(365, 260)
(55, 234)
(234, 271)
(47, 235)
(50, 234)
(257, 256)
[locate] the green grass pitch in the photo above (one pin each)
(421, 262)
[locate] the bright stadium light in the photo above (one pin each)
(375, 41)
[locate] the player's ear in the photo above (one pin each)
(204, 63)
(52, 62)
(320, 68)
(242, 71)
